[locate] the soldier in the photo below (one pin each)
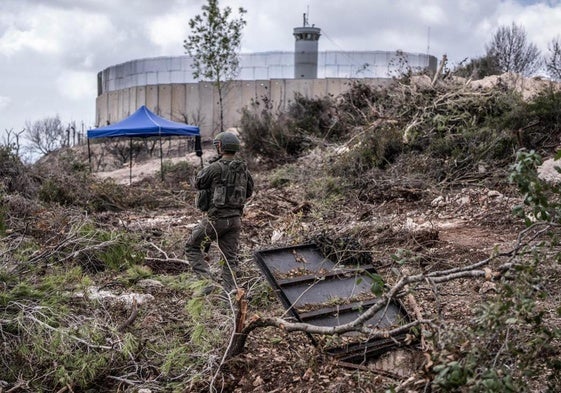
(223, 188)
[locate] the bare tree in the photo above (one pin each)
(512, 51)
(11, 139)
(214, 45)
(553, 60)
(46, 135)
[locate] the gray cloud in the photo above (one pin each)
(51, 51)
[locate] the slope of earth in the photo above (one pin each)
(140, 324)
(440, 229)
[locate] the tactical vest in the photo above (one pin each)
(231, 192)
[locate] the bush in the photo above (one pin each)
(178, 174)
(375, 148)
(64, 179)
(486, 356)
(538, 123)
(362, 104)
(314, 117)
(14, 176)
(271, 137)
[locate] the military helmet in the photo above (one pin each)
(227, 142)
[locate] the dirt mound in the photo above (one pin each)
(528, 87)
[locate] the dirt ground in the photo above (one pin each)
(446, 229)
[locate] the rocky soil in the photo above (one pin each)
(444, 228)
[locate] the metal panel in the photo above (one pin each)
(322, 292)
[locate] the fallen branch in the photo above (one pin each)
(131, 318)
(166, 257)
(71, 336)
(525, 238)
(440, 68)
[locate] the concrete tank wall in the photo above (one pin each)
(197, 103)
(267, 65)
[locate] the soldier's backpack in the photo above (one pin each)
(231, 193)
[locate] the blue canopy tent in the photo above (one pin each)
(142, 124)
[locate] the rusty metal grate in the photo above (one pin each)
(322, 292)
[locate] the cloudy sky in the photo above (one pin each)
(52, 50)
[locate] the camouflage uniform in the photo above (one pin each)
(221, 224)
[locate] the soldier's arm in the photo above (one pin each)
(204, 179)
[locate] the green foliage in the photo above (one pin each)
(262, 296)
(115, 250)
(478, 68)
(75, 350)
(271, 137)
(541, 199)
(20, 292)
(377, 286)
(373, 148)
(487, 355)
(545, 107)
(106, 195)
(177, 360)
(214, 42)
(121, 254)
(53, 192)
(180, 282)
(136, 273)
(362, 104)
(283, 176)
(214, 45)
(314, 117)
(535, 124)
(328, 190)
(462, 152)
(64, 180)
(177, 174)
(203, 335)
(14, 176)
(61, 279)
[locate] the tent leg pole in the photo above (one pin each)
(130, 161)
(161, 160)
(89, 156)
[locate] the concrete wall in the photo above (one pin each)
(198, 103)
(168, 70)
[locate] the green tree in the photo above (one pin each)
(512, 51)
(214, 45)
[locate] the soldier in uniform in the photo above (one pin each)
(223, 188)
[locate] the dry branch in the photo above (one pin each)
(525, 238)
(131, 318)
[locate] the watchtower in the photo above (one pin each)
(306, 51)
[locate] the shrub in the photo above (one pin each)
(177, 174)
(314, 117)
(361, 104)
(375, 148)
(486, 355)
(64, 178)
(271, 136)
(113, 250)
(14, 176)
